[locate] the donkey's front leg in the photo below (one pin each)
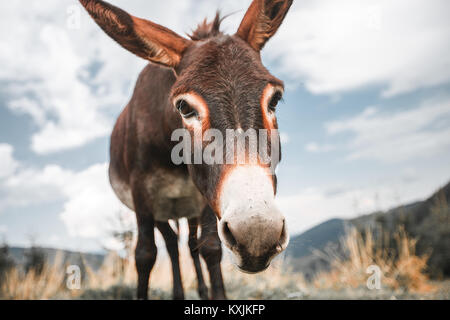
(171, 239)
(194, 248)
(145, 253)
(211, 251)
(146, 250)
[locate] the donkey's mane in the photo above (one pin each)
(207, 29)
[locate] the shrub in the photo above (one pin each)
(400, 267)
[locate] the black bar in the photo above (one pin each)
(272, 309)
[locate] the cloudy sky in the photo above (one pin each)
(365, 122)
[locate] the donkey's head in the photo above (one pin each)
(221, 84)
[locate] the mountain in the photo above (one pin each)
(302, 247)
(317, 237)
(427, 221)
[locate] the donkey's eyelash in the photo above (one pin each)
(281, 99)
(185, 109)
(273, 102)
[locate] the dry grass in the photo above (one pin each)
(118, 271)
(401, 268)
(20, 285)
(120, 274)
(116, 279)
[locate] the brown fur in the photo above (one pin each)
(207, 29)
(262, 20)
(227, 73)
(142, 37)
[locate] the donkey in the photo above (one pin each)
(211, 80)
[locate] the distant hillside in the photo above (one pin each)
(428, 221)
(316, 238)
(302, 247)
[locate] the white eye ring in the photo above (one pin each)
(185, 109)
(274, 100)
(199, 106)
(269, 92)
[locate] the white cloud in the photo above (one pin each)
(314, 205)
(331, 46)
(48, 65)
(90, 207)
(419, 132)
(7, 162)
(24, 105)
(311, 206)
(284, 138)
(314, 147)
(30, 186)
(337, 46)
(44, 64)
(91, 210)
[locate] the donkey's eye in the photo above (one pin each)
(274, 101)
(185, 109)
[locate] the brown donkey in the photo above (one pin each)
(210, 81)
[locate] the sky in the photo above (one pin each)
(365, 120)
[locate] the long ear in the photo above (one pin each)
(144, 38)
(262, 20)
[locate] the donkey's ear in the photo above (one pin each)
(144, 38)
(262, 20)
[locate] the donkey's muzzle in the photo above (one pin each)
(251, 225)
(254, 239)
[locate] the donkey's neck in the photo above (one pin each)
(152, 115)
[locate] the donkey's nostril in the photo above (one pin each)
(284, 238)
(228, 235)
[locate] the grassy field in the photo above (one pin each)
(403, 277)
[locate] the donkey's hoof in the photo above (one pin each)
(219, 296)
(203, 293)
(178, 296)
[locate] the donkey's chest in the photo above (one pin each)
(169, 194)
(173, 196)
